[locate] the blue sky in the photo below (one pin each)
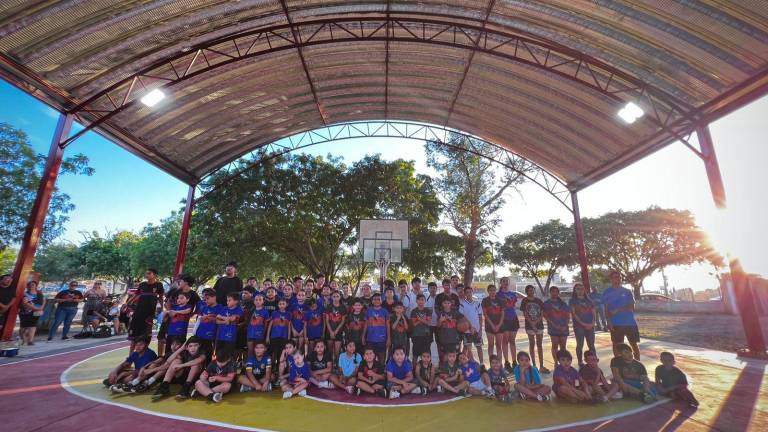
(127, 193)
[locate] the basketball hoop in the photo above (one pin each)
(382, 262)
(382, 242)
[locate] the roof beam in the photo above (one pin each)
(386, 68)
(455, 97)
(299, 49)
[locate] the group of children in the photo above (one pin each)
(259, 341)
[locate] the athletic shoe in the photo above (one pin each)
(464, 393)
(303, 393)
(244, 388)
(349, 389)
(544, 370)
(604, 399)
(162, 391)
(269, 386)
(489, 394)
(647, 398)
(424, 391)
(523, 396)
(138, 388)
(416, 391)
(618, 395)
(287, 395)
(193, 394)
(184, 392)
(120, 388)
(548, 397)
(394, 394)
(539, 397)
(217, 397)
(65, 338)
(357, 391)
(326, 384)
(439, 389)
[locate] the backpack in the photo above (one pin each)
(103, 332)
(83, 335)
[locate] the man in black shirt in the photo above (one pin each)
(147, 296)
(230, 283)
(66, 309)
(447, 294)
(7, 294)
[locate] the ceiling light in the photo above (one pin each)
(631, 112)
(152, 98)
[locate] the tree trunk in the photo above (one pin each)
(469, 262)
(637, 287)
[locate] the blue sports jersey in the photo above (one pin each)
(399, 372)
(532, 375)
(584, 309)
(596, 297)
(207, 317)
(615, 298)
(258, 366)
(314, 321)
(178, 324)
(471, 371)
(257, 325)
(298, 371)
(558, 314)
(297, 316)
(141, 360)
(280, 322)
(508, 301)
(228, 332)
(377, 320)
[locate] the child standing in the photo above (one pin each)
(533, 311)
(216, 379)
(567, 380)
(425, 373)
(227, 321)
(334, 317)
(178, 319)
(298, 324)
(400, 374)
(298, 377)
(257, 324)
(672, 382)
(493, 313)
(583, 314)
(557, 314)
(376, 332)
(421, 333)
(594, 381)
(207, 310)
(447, 335)
(527, 379)
(279, 328)
(399, 329)
(315, 323)
(631, 375)
(370, 374)
(472, 311)
(356, 325)
(349, 361)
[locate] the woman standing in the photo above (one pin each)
(583, 314)
(31, 309)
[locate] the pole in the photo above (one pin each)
(493, 264)
(181, 252)
(581, 249)
(745, 301)
(36, 220)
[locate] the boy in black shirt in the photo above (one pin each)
(216, 379)
(672, 382)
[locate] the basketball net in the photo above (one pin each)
(382, 263)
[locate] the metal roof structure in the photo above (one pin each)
(543, 79)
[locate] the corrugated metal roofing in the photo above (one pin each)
(460, 64)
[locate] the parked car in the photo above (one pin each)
(656, 298)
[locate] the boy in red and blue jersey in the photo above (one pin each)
(257, 323)
(313, 318)
(376, 331)
(227, 319)
(207, 310)
(297, 310)
(279, 328)
(178, 321)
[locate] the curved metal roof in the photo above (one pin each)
(544, 79)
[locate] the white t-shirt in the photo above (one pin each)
(430, 303)
(471, 312)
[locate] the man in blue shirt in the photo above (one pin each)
(597, 300)
(619, 306)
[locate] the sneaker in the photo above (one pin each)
(539, 397)
(618, 395)
(193, 394)
(424, 391)
(349, 389)
(269, 386)
(489, 394)
(439, 389)
(544, 370)
(326, 384)
(244, 388)
(524, 396)
(647, 398)
(508, 367)
(604, 399)
(184, 392)
(303, 393)
(464, 393)
(357, 391)
(217, 397)
(50, 339)
(65, 338)
(548, 397)
(416, 391)
(287, 395)
(138, 388)
(162, 391)
(394, 394)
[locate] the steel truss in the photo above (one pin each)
(386, 129)
(665, 111)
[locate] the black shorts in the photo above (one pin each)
(241, 341)
(631, 332)
(472, 339)
(511, 325)
(28, 321)
(339, 336)
(139, 328)
(227, 345)
(162, 333)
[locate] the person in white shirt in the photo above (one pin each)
(472, 311)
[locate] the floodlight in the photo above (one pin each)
(152, 98)
(631, 112)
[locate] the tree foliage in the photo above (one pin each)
(638, 243)
(59, 262)
(471, 188)
(541, 251)
(7, 260)
(20, 172)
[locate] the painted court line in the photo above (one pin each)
(65, 384)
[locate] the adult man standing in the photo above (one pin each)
(149, 293)
(619, 305)
(66, 309)
(7, 294)
(230, 283)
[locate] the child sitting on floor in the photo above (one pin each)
(154, 371)
(320, 365)
(184, 365)
(400, 374)
(594, 381)
(370, 375)
(257, 371)
(425, 373)
(216, 380)
(450, 377)
(672, 382)
(349, 361)
(527, 379)
(298, 377)
(498, 377)
(566, 380)
(139, 358)
(479, 383)
(631, 375)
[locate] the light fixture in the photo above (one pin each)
(631, 112)
(152, 98)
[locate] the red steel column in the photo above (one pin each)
(37, 219)
(582, 250)
(744, 299)
(181, 253)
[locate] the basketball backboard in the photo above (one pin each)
(383, 239)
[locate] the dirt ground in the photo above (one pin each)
(722, 332)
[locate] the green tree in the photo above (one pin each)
(58, 262)
(638, 243)
(108, 257)
(471, 188)
(155, 247)
(541, 251)
(20, 172)
(7, 260)
(302, 212)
